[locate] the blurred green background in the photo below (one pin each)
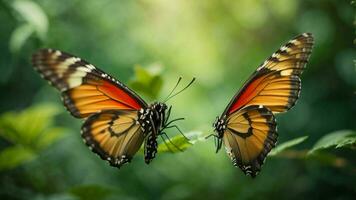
(148, 44)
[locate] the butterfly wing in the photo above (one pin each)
(115, 135)
(85, 88)
(274, 87)
(249, 136)
(276, 83)
(111, 129)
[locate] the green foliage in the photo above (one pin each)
(337, 139)
(30, 131)
(176, 144)
(33, 21)
(147, 81)
(219, 42)
(286, 145)
(90, 192)
(16, 155)
(20, 35)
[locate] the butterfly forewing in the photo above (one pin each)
(85, 89)
(250, 134)
(276, 83)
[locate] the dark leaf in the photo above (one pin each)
(286, 145)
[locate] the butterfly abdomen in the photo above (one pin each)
(150, 148)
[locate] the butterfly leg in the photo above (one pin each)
(211, 135)
(217, 141)
(175, 126)
(164, 141)
(170, 141)
(168, 115)
(174, 120)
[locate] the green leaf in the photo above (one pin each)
(33, 14)
(142, 75)
(49, 136)
(30, 130)
(285, 145)
(19, 37)
(31, 127)
(147, 80)
(180, 143)
(8, 128)
(16, 155)
(337, 139)
(155, 86)
(91, 192)
(32, 122)
(347, 142)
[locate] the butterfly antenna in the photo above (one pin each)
(179, 79)
(189, 84)
(174, 120)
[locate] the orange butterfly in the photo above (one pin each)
(247, 126)
(117, 121)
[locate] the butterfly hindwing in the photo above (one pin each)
(249, 136)
(85, 88)
(114, 135)
(276, 83)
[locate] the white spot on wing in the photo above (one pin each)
(260, 67)
(84, 69)
(76, 78)
(284, 48)
(286, 72)
(57, 53)
(90, 66)
(65, 65)
(293, 41)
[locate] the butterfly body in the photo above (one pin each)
(248, 127)
(117, 121)
(152, 120)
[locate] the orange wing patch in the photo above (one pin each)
(85, 89)
(276, 92)
(114, 135)
(249, 136)
(91, 97)
(276, 83)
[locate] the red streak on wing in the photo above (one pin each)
(120, 95)
(248, 93)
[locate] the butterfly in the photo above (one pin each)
(248, 126)
(117, 120)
